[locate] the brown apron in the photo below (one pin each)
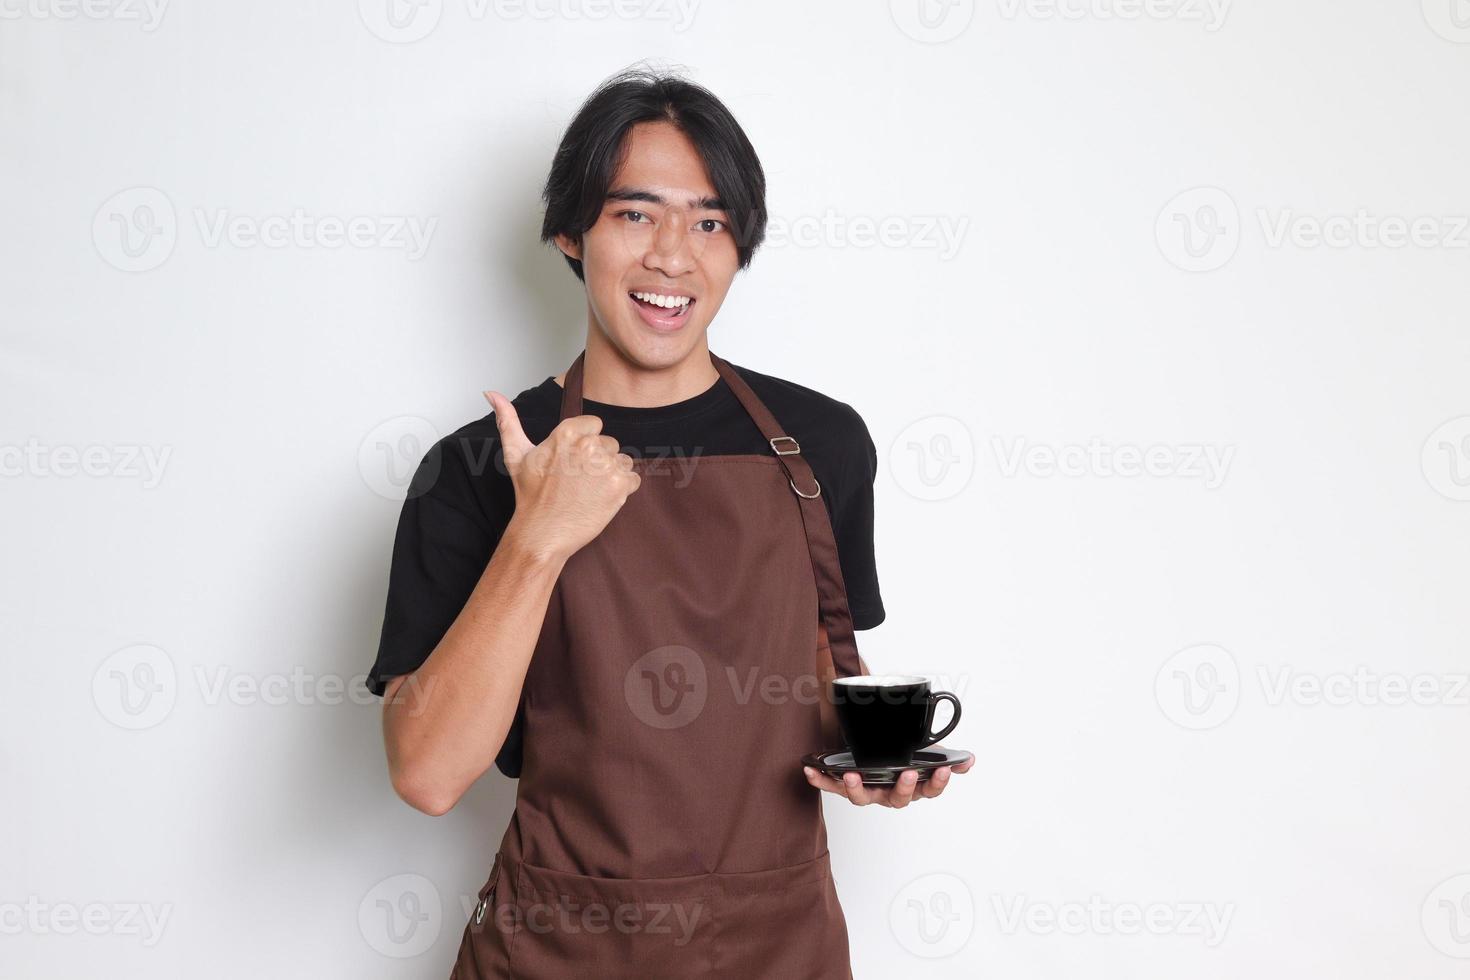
(663, 827)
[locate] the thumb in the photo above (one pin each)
(513, 440)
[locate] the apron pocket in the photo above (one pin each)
(570, 927)
(782, 922)
(785, 922)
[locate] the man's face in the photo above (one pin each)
(664, 236)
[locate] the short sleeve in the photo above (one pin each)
(853, 527)
(440, 549)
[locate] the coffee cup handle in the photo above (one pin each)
(954, 719)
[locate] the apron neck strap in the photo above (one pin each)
(571, 389)
(571, 404)
(815, 519)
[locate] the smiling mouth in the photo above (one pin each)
(663, 309)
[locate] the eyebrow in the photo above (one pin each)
(649, 197)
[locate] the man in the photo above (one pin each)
(630, 632)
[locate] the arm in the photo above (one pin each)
(444, 723)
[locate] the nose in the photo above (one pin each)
(671, 251)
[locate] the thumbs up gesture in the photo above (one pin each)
(569, 486)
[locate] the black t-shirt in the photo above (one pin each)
(460, 500)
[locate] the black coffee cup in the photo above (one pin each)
(886, 718)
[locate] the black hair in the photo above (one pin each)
(593, 147)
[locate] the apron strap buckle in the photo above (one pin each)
(806, 496)
(794, 450)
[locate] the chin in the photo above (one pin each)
(652, 351)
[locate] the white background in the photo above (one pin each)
(1135, 190)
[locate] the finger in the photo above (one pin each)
(599, 453)
(513, 440)
(960, 766)
(581, 425)
(936, 783)
(824, 782)
(856, 791)
(595, 461)
(903, 790)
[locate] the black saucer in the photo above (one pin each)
(835, 764)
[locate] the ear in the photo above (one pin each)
(570, 247)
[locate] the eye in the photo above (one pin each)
(720, 225)
(631, 215)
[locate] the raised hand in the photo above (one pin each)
(569, 486)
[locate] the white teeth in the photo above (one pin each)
(667, 302)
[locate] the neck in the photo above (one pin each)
(612, 379)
